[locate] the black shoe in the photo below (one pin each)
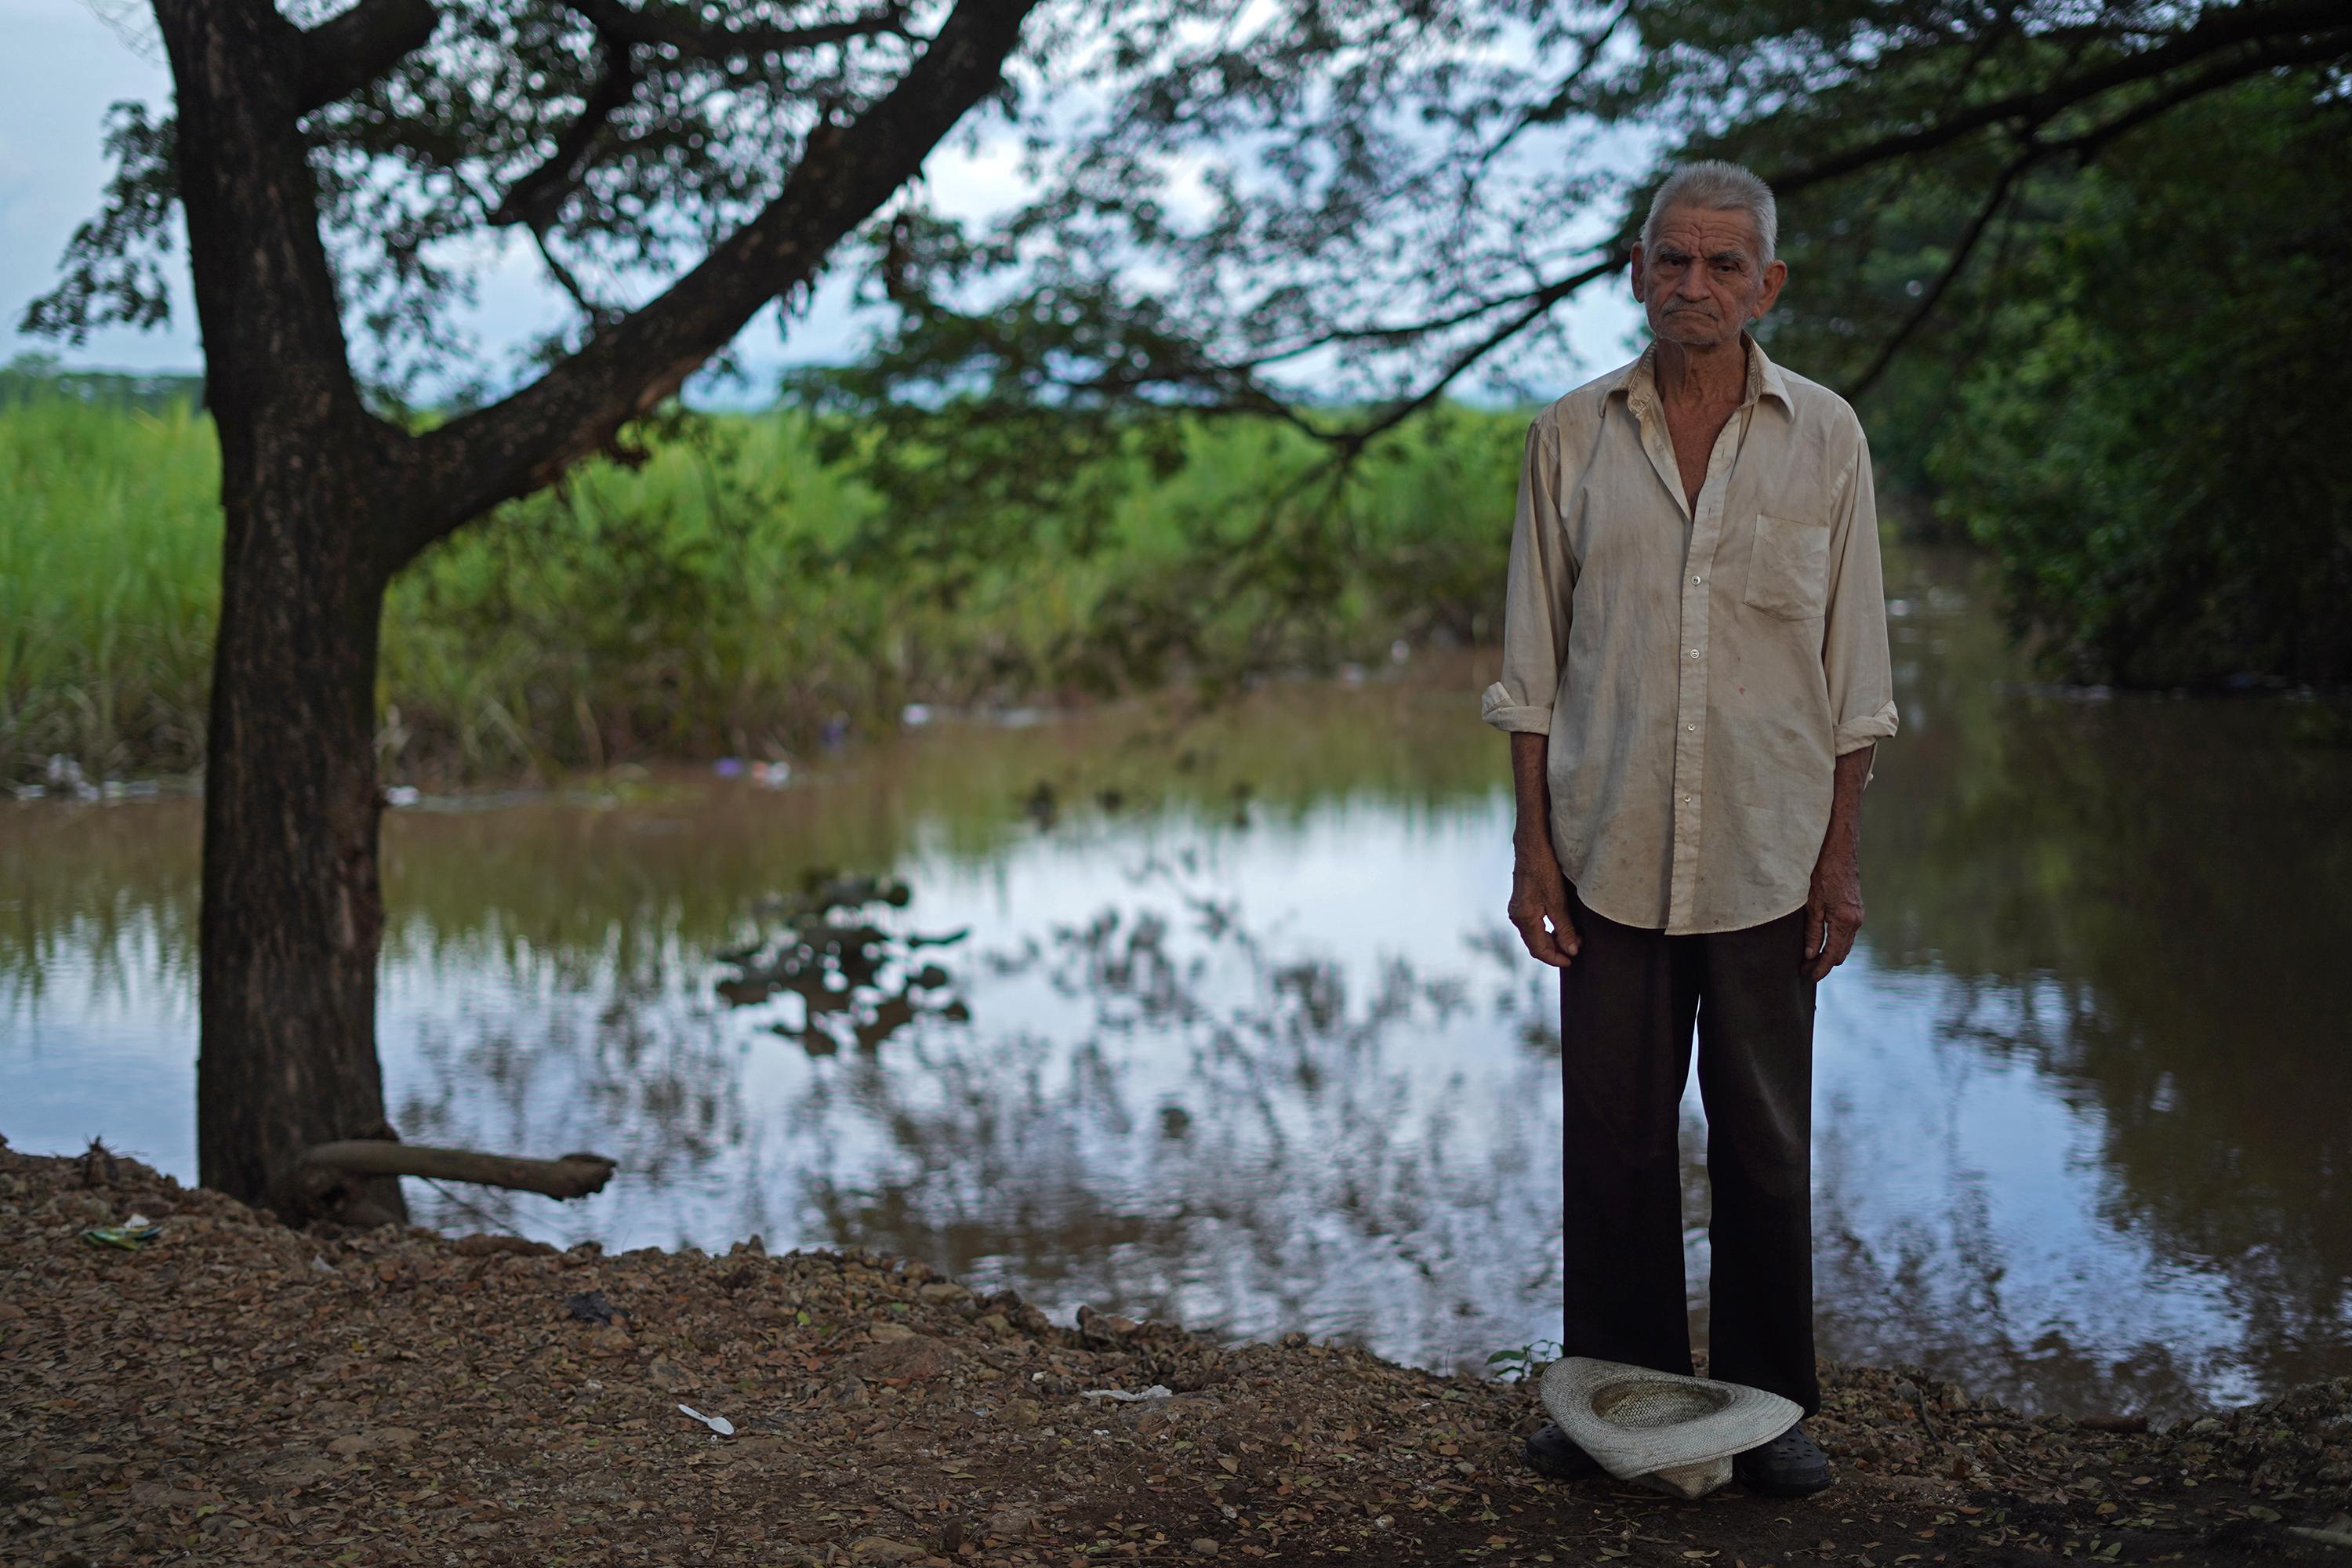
(1789, 1466)
(1550, 1453)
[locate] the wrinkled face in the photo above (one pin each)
(1702, 282)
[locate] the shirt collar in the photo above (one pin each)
(1638, 381)
(1764, 378)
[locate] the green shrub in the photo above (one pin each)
(734, 591)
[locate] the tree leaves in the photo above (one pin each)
(115, 267)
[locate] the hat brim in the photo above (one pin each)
(1673, 1432)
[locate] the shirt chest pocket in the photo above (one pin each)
(1787, 567)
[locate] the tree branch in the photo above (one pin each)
(1397, 333)
(1250, 396)
(2087, 146)
(672, 27)
(1555, 109)
(342, 54)
(567, 280)
(523, 442)
(2265, 54)
(2216, 31)
(621, 31)
(573, 1176)
(1961, 250)
(1540, 305)
(2298, 32)
(535, 198)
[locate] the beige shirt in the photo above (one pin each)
(1699, 670)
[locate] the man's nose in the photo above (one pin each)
(1692, 285)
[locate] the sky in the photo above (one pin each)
(65, 64)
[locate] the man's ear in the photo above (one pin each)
(1639, 295)
(1775, 274)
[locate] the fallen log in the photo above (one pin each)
(573, 1176)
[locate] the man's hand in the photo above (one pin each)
(1834, 906)
(1832, 911)
(1538, 890)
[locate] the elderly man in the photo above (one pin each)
(1695, 675)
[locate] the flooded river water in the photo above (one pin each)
(1236, 1033)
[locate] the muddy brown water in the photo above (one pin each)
(1236, 1033)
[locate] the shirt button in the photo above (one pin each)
(1693, 580)
(1694, 653)
(1690, 726)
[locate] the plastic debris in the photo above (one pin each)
(915, 713)
(718, 1424)
(728, 767)
(589, 1307)
(65, 777)
(129, 1235)
(1157, 1391)
(403, 794)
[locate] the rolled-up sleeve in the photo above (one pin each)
(1535, 599)
(1854, 637)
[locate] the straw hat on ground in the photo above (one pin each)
(1676, 1433)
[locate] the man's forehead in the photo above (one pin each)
(1703, 231)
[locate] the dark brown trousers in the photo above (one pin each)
(1627, 1005)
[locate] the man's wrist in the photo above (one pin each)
(1840, 847)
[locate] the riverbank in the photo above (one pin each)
(239, 1391)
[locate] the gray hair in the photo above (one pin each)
(1718, 186)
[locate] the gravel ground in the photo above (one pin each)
(239, 1391)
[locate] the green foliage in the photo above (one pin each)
(110, 581)
(2131, 399)
(737, 591)
(2152, 442)
(116, 264)
(1384, 203)
(1933, 159)
(1522, 1362)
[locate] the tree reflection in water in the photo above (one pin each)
(1231, 1135)
(2101, 929)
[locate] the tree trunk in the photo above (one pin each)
(310, 491)
(323, 503)
(292, 910)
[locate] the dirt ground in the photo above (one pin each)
(239, 1391)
